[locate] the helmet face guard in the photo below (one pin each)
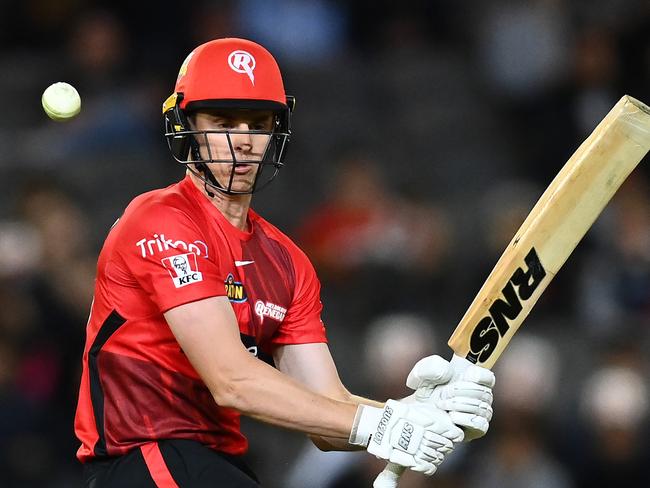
(185, 145)
(228, 74)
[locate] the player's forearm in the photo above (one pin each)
(261, 392)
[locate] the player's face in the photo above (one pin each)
(235, 146)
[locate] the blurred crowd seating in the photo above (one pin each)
(424, 133)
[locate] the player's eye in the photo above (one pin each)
(265, 124)
(224, 124)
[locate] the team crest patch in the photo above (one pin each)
(235, 290)
(183, 269)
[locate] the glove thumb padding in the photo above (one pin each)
(429, 371)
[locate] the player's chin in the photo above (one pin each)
(241, 183)
(241, 188)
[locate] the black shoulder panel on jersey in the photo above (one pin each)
(113, 322)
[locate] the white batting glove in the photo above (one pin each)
(458, 387)
(413, 435)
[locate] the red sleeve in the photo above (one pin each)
(302, 323)
(169, 257)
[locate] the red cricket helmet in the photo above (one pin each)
(227, 73)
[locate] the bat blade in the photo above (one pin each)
(554, 227)
(556, 224)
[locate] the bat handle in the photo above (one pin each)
(389, 477)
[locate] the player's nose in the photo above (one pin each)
(242, 141)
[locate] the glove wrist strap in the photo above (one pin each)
(364, 425)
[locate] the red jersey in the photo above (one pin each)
(172, 247)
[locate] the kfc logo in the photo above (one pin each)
(183, 269)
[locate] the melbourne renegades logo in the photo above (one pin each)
(183, 269)
(271, 310)
(242, 62)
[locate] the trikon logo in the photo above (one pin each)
(159, 243)
(235, 290)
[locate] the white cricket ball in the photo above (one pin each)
(61, 101)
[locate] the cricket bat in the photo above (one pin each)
(558, 221)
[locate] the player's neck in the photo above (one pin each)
(233, 207)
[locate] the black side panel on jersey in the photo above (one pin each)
(250, 343)
(110, 325)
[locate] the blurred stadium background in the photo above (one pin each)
(424, 132)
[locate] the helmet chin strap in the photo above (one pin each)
(207, 176)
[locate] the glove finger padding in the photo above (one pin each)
(433, 455)
(466, 405)
(427, 468)
(444, 443)
(472, 414)
(441, 445)
(467, 389)
(474, 426)
(476, 374)
(408, 449)
(467, 397)
(431, 370)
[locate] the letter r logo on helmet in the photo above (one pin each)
(242, 62)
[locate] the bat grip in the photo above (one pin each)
(389, 477)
